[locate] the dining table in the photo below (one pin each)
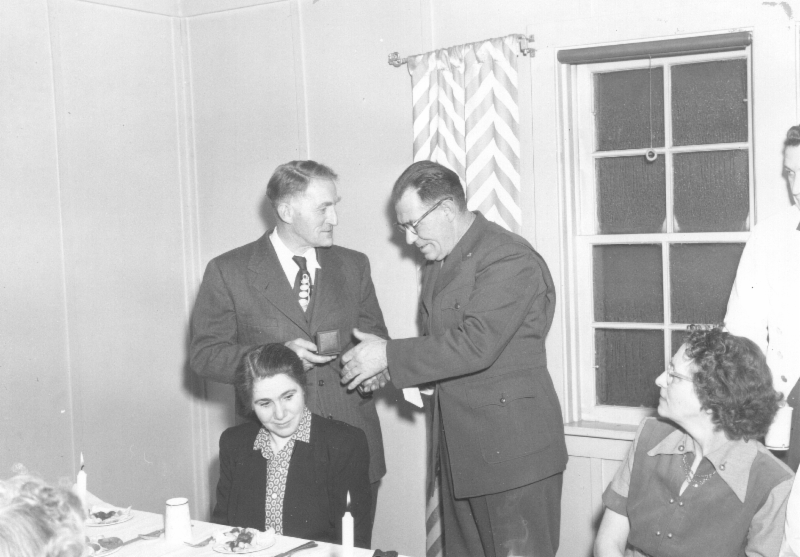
(146, 522)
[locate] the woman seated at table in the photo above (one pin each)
(37, 520)
(696, 481)
(291, 470)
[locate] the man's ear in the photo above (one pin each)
(450, 209)
(285, 212)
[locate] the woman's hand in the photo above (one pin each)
(612, 538)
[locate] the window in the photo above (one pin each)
(659, 193)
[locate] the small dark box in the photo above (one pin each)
(328, 343)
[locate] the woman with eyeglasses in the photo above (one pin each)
(697, 480)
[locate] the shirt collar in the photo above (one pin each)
(732, 460)
(263, 440)
(288, 265)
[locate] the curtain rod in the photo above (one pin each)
(524, 49)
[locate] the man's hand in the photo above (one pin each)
(374, 383)
(307, 351)
(365, 360)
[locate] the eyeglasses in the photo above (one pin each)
(412, 226)
(672, 377)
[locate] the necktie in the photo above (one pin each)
(302, 282)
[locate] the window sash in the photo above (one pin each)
(577, 86)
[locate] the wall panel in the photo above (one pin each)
(121, 209)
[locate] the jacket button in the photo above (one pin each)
(503, 398)
(783, 378)
(671, 501)
(321, 382)
(669, 535)
(458, 306)
(658, 532)
(722, 466)
(680, 504)
(680, 448)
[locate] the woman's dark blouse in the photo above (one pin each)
(739, 510)
(321, 472)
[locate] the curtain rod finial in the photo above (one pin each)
(395, 60)
(524, 49)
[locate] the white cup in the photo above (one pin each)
(177, 523)
(780, 431)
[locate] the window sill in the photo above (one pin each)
(600, 430)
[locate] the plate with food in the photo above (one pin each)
(106, 516)
(100, 547)
(243, 540)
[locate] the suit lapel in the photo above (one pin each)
(330, 283)
(454, 263)
(430, 272)
(269, 280)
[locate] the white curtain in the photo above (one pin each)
(466, 118)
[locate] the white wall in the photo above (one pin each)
(135, 145)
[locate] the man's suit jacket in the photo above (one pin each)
(321, 473)
(245, 300)
(486, 311)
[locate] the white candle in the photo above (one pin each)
(347, 531)
(80, 484)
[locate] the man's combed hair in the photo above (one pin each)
(792, 137)
(733, 381)
(268, 360)
(432, 182)
(293, 178)
(37, 520)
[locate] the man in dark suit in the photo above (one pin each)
(487, 305)
(286, 287)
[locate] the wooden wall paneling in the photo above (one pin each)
(36, 400)
(121, 207)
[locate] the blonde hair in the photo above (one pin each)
(37, 520)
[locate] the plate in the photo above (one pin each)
(116, 519)
(223, 548)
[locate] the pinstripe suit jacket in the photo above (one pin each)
(245, 301)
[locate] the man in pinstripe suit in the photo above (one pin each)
(247, 299)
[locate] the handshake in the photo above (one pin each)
(363, 367)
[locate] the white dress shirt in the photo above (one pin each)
(287, 263)
(765, 300)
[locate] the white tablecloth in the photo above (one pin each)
(144, 522)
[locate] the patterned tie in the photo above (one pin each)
(302, 282)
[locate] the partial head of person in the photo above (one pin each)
(37, 520)
(719, 378)
(271, 384)
(303, 194)
(431, 208)
(791, 162)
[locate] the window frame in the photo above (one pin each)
(577, 196)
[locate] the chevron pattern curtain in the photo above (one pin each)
(466, 118)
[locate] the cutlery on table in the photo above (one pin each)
(307, 545)
(155, 534)
(201, 543)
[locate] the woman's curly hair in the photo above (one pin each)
(733, 381)
(37, 520)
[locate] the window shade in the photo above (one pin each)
(656, 49)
